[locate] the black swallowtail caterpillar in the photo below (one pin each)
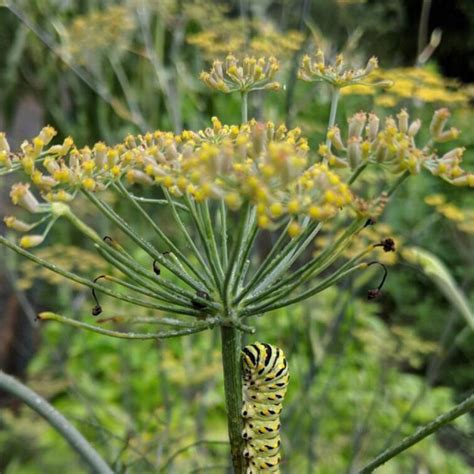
(265, 372)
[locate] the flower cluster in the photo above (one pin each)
(95, 32)
(394, 146)
(421, 84)
(338, 74)
(250, 74)
(463, 218)
(225, 35)
(260, 163)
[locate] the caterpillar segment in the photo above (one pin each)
(265, 373)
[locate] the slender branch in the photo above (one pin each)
(223, 222)
(278, 303)
(236, 250)
(168, 242)
(332, 113)
(136, 274)
(185, 232)
(90, 284)
(198, 327)
(205, 215)
(244, 107)
(202, 234)
(357, 172)
(269, 259)
(163, 202)
(398, 183)
(88, 454)
(425, 431)
(170, 460)
(116, 219)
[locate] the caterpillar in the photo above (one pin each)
(265, 379)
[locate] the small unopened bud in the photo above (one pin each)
(47, 134)
(403, 121)
(17, 224)
(371, 65)
(357, 124)
(334, 135)
(440, 117)
(22, 196)
(5, 159)
(4, 146)
(449, 135)
(137, 176)
(354, 151)
(414, 128)
(28, 241)
(373, 126)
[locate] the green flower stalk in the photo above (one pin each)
(223, 186)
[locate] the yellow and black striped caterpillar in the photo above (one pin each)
(265, 372)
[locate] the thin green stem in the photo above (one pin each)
(244, 107)
(401, 179)
(206, 244)
(459, 410)
(284, 289)
(315, 266)
(237, 245)
(116, 219)
(203, 209)
(223, 222)
(77, 442)
(198, 327)
(185, 232)
(231, 347)
(161, 234)
(164, 202)
(280, 265)
(167, 292)
(169, 462)
(332, 113)
(269, 259)
(92, 285)
(357, 172)
(278, 303)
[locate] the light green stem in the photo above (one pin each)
(77, 442)
(398, 183)
(332, 113)
(459, 410)
(244, 107)
(92, 285)
(160, 233)
(185, 232)
(197, 327)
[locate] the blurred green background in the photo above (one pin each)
(363, 374)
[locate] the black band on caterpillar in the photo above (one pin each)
(265, 373)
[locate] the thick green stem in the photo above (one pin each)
(88, 454)
(422, 433)
(231, 346)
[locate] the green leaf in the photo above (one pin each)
(437, 271)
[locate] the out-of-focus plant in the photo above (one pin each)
(421, 84)
(223, 186)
